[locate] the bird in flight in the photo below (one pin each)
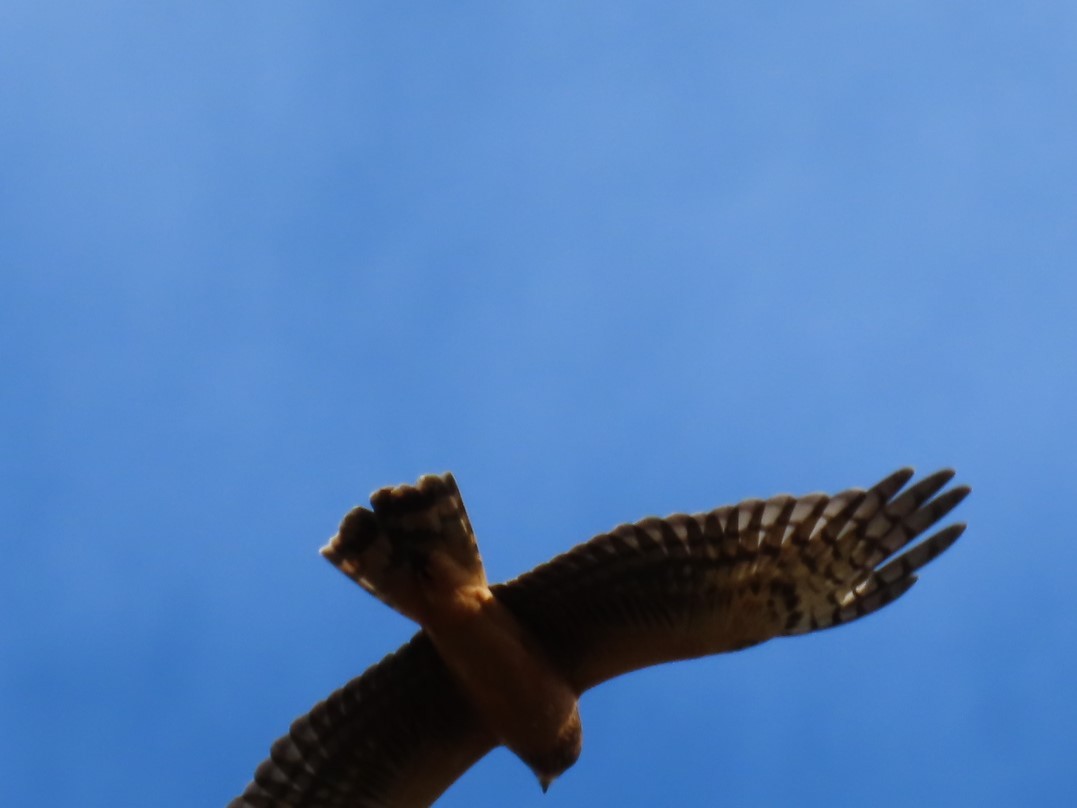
(506, 664)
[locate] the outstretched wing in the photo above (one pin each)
(692, 585)
(398, 735)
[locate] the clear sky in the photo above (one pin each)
(601, 260)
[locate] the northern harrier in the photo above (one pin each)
(505, 664)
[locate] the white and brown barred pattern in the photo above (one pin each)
(398, 735)
(385, 549)
(690, 585)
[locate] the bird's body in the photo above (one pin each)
(505, 665)
(519, 696)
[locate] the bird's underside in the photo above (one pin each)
(505, 664)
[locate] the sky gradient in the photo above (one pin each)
(602, 262)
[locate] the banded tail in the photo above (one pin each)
(414, 549)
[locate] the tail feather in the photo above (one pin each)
(415, 542)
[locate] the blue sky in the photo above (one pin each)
(600, 260)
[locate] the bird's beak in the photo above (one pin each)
(545, 783)
(327, 550)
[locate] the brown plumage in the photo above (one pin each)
(506, 664)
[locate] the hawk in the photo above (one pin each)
(506, 664)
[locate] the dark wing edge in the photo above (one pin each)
(692, 585)
(398, 735)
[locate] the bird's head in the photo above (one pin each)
(550, 765)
